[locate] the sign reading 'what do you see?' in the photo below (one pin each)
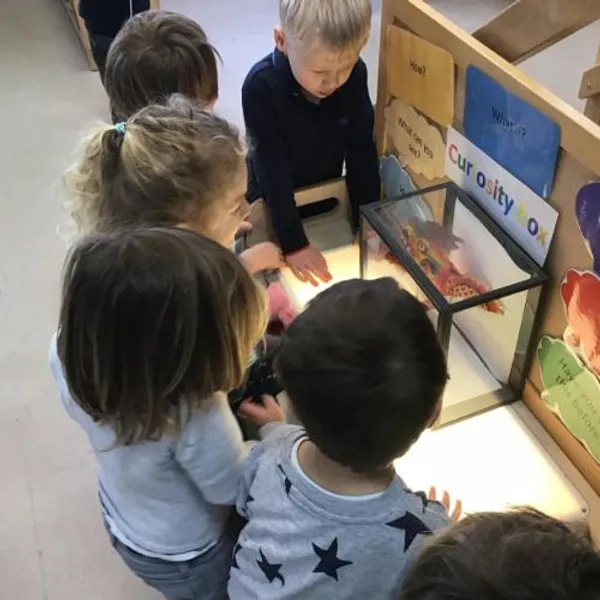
(527, 218)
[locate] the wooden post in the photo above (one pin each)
(527, 27)
(590, 90)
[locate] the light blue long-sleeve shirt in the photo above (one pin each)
(170, 497)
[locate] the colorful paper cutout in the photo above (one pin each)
(571, 392)
(512, 132)
(580, 293)
(527, 218)
(420, 74)
(395, 182)
(419, 144)
(587, 211)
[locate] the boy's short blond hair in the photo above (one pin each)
(337, 24)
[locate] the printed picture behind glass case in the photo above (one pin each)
(481, 289)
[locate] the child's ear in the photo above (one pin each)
(279, 38)
(210, 105)
(437, 411)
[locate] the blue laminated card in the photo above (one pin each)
(510, 131)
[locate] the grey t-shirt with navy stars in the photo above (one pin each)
(304, 542)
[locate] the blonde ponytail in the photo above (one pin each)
(170, 164)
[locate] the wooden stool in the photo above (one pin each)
(315, 226)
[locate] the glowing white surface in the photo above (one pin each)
(469, 376)
(491, 461)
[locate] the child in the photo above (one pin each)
(327, 515)
(155, 326)
(307, 111)
(156, 54)
(521, 555)
(103, 19)
(172, 164)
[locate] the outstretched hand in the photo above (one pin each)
(309, 265)
(456, 513)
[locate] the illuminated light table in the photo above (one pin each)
(490, 461)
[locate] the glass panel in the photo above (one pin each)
(453, 248)
(487, 344)
(380, 261)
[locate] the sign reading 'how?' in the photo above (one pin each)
(420, 74)
(527, 218)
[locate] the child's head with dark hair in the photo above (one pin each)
(364, 372)
(156, 54)
(520, 555)
(171, 164)
(152, 323)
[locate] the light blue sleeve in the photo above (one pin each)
(271, 434)
(57, 371)
(212, 452)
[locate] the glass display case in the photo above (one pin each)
(481, 289)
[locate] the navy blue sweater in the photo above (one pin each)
(296, 142)
(105, 17)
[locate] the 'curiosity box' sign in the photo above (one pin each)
(527, 218)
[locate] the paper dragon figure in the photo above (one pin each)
(430, 246)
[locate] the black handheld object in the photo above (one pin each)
(261, 381)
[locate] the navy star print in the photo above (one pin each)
(412, 527)
(234, 562)
(286, 481)
(329, 562)
(271, 571)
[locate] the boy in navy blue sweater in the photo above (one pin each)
(308, 112)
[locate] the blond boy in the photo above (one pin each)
(308, 113)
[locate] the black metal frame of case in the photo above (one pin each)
(446, 310)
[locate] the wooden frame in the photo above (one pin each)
(527, 27)
(579, 157)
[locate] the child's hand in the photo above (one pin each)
(245, 227)
(262, 414)
(262, 257)
(456, 514)
(309, 265)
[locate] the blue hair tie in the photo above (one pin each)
(120, 128)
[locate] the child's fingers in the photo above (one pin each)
(269, 401)
(457, 512)
(432, 494)
(446, 500)
(273, 410)
(245, 227)
(308, 276)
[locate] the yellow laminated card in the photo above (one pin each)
(420, 74)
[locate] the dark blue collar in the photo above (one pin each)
(282, 64)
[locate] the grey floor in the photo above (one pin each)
(51, 541)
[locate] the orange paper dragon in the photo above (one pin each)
(430, 245)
